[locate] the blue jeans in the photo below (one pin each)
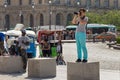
(81, 45)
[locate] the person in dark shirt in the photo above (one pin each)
(45, 48)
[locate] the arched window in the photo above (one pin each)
(8, 2)
(7, 22)
(22, 19)
(40, 1)
(20, 2)
(115, 4)
(31, 21)
(88, 3)
(41, 20)
(69, 18)
(106, 3)
(68, 2)
(30, 2)
(59, 19)
(57, 1)
(97, 3)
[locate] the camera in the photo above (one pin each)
(76, 13)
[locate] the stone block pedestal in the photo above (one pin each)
(83, 71)
(42, 67)
(10, 64)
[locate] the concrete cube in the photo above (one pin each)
(42, 67)
(10, 64)
(83, 71)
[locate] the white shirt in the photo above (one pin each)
(23, 39)
(58, 48)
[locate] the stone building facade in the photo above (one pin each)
(34, 13)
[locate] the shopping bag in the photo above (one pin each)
(54, 51)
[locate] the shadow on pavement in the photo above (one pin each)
(12, 74)
(49, 78)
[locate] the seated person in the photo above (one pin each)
(45, 48)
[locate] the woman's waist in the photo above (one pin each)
(80, 32)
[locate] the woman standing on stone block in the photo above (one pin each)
(81, 20)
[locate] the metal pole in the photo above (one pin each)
(33, 6)
(78, 4)
(5, 6)
(50, 21)
(88, 5)
(50, 15)
(20, 14)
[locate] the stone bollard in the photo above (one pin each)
(10, 64)
(83, 71)
(42, 67)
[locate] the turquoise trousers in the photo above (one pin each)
(81, 45)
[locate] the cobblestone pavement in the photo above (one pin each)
(108, 58)
(109, 63)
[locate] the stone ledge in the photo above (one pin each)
(42, 67)
(83, 71)
(111, 44)
(10, 64)
(116, 47)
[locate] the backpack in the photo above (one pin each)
(12, 50)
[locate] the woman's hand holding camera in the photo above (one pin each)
(79, 17)
(74, 21)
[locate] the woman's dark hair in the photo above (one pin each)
(82, 9)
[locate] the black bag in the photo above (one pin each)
(12, 50)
